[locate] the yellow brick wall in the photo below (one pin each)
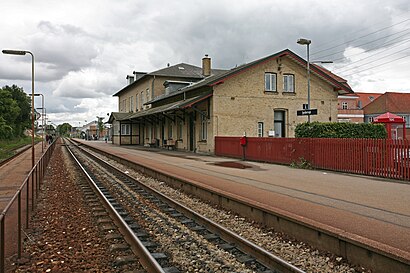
(142, 86)
(240, 102)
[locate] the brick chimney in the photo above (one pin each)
(130, 79)
(206, 66)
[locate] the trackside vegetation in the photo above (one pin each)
(15, 112)
(340, 130)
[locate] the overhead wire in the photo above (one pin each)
(360, 37)
(377, 66)
(375, 54)
(366, 43)
(394, 40)
(374, 60)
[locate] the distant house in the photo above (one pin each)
(393, 102)
(259, 99)
(350, 106)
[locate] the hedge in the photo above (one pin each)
(340, 130)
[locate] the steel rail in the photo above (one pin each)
(149, 263)
(25, 148)
(260, 254)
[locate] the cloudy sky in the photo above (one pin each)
(84, 49)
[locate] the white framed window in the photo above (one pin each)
(270, 82)
(204, 127)
(179, 129)
(289, 83)
(142, 99)
(125, 129)
(344, 105)
(122, 106)
(260, 129)
(406, 119)
(170, 130)
(147, 94)
(370, 119)
(131, 103)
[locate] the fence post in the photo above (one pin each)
(19, 225)
(28, 197)
(2, 243)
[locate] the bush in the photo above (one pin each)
(340, 130)
(302, 163)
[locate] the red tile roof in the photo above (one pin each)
(389, 102)
(365, 98)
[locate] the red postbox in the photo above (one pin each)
(243, 141)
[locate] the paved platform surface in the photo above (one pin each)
(371, 210)
(13, 173)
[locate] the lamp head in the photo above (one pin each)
(303, 41)
(14, 52)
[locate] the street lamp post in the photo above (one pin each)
(42, 120)
(45, 120)
(24, 52)
(307, 42)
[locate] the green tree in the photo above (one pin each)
(6, 131)
(23, 120)
(9, 113)
(14, 112)
(64, 129)
(100, 125)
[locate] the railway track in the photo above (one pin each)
(166, 235)
(18, 152)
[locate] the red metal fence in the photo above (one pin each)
(14, 219)
(377, 157)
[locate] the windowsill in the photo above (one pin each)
(288, 93)
(270, 92)
(202, 141)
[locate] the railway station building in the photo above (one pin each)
(185, 106)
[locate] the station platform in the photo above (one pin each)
(13, 173)
(370, 210)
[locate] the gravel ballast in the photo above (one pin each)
(63, 234)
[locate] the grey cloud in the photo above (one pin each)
(87, 55)
(61, 49)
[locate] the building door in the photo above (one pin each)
(162, 132)
(192, 132)
(279, 123)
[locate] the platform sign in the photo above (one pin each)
(309, 112)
